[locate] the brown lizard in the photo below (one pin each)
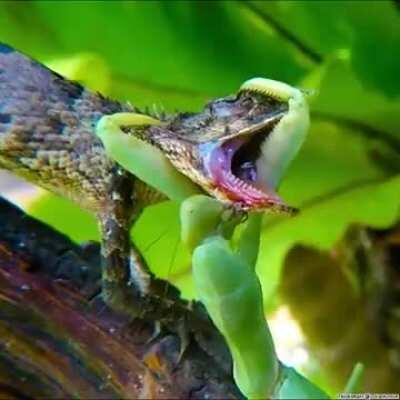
(47, 126)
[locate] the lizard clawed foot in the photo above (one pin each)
(129, 287)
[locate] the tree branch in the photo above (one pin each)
(56, 343)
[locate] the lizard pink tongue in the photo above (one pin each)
(253, 194)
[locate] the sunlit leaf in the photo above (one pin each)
(157, 52)
(65, 216)
(341, 94)
(321, 225)
(320, 27)
(375, 47)
(332, 158)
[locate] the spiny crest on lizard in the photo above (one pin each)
(47, 136)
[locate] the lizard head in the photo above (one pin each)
(237, 147)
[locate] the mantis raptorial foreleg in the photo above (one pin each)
(231, 292)
(225, 278)
(228, 286)
(126, 285)
(140, 158)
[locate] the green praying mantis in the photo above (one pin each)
(223, 271)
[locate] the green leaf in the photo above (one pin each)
(64, 216)
(370, 35)
(375, 45)
(157, 52)
(314, 24)
(329, 178)
(342, 96)
(332, 158)
(322, 224)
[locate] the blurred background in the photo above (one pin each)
(331, 275)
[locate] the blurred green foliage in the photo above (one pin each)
(178, 54)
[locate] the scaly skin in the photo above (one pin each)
(47, 126)
(46, 137)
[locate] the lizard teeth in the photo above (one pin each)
(242, 184)
(246, 190)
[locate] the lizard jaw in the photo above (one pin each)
(235, 169)
(246, 170)
(238, 147)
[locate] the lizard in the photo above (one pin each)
(234, 149)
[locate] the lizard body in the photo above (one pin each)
(46, 131)
(47, 136)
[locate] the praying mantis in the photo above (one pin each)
(223, 272)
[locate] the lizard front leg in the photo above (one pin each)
(127, 283)
(114, 225)
(125, 276)
(46, 137)
(128, 286)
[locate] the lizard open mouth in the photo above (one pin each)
(238, 147)
(236, 167)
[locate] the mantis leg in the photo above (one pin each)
(231, 292)
(140, 158)
(250, 239)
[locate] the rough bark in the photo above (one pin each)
(58, 340)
